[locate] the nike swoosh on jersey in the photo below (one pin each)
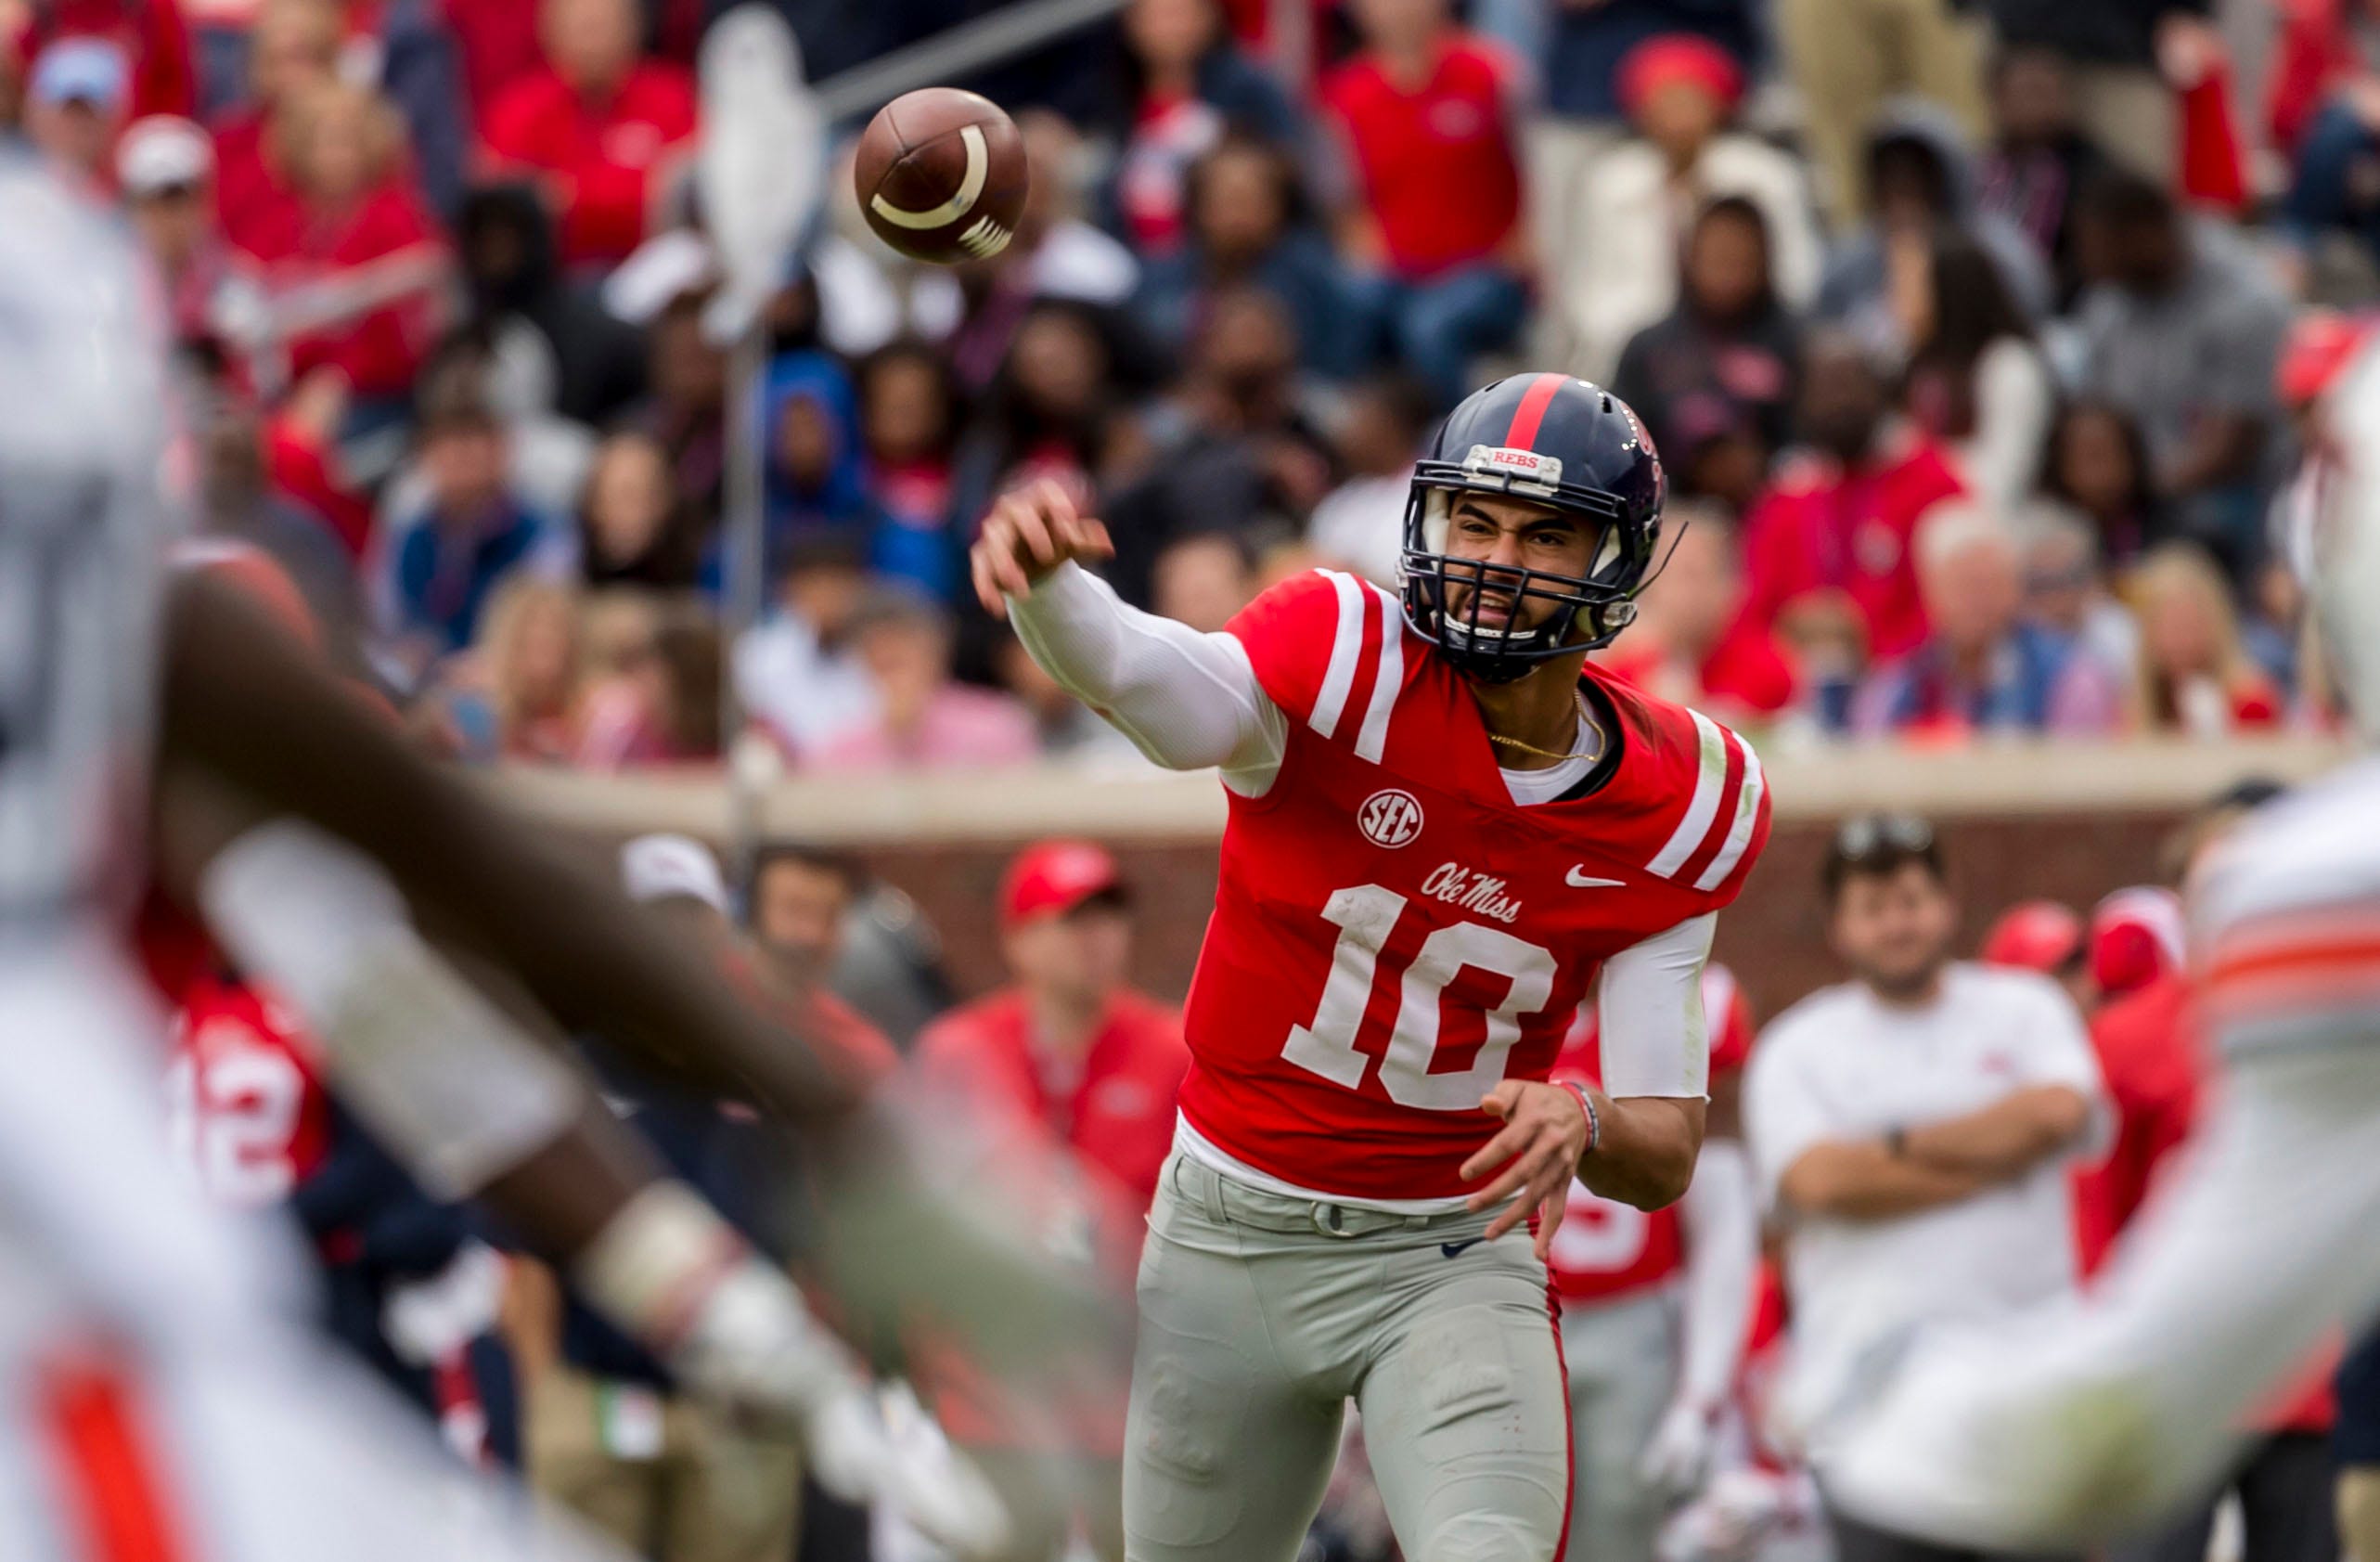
(1456, 1250)
(1577, 880)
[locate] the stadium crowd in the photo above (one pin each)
(1977, 338)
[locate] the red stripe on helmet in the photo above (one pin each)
(1523, 435)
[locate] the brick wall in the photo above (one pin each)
(1773, 936)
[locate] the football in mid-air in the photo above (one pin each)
(942, 175)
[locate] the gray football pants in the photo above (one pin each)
(1261, 1316)
(1623, 1358)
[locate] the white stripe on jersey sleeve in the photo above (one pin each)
(1704, 808)
(1388, 678)
(1747, 814)
(1345, 647)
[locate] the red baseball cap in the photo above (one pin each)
(2319, 344)
(1050, 878)
(2136, 936)
(2035, 935)
(1671, 58)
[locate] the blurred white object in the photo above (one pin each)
(1680, 1452)
(2344, 548)
(659, 272)
(663, 867)
(763, 161)
(934, 1486)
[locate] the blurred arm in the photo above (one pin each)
(1186, 699)
(2005, 1139)
(245, 703)
(1863, 1181)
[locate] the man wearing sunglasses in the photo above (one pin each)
(1913, 1128)
(1445, 826)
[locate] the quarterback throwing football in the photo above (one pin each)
(1444, 826)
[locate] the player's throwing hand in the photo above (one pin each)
(1543, 1137)
(1029, 533)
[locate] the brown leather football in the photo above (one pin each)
(941, 175)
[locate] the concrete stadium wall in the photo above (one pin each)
(2018, 821)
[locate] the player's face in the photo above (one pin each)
(1511, 534)
(1894, 930)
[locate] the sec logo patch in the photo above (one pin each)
(1391, 817)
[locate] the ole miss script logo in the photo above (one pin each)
(1390, 817)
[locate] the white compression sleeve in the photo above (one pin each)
(442, 1073)
(1187, 700)
(1649, 1008)
(1722, 1253)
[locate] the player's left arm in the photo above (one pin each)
(1634, 1139)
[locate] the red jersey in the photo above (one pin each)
(1822, 528)
(1111, 1118)
(2149, 1059)
(1114, 1111)
(1393, 935)
(1440, 168)
(374, 271)
(1605, 1249)
(247, 1104)
(604, 155)
(1747, 671)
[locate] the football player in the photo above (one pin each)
(1443, 822)
(2103, 1418)
(160, 1398)
(1656, 1308)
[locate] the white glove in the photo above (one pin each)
(1679, 1456)
(936, 1488)
(1728, 1522)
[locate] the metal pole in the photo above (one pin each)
(747, 584)
(957, 52)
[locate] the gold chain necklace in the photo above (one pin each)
(1587, 723)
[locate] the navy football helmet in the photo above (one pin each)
(1563, 442)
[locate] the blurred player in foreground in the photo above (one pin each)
(1443, 822)
(2104, 1417)
(161, 1387)
(1655, 1309)
(1066, 1055)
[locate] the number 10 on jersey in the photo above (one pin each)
(1365, 917)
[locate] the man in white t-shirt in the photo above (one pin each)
(1912, 1130)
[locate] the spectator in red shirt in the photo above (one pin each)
(1069, 1066)
(1429, 114)
(354, 268)
(1841, 516)
(75, 106)
(1691, 643)
(600, 127)
(292, 46)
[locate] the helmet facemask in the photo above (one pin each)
(1591, 609)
